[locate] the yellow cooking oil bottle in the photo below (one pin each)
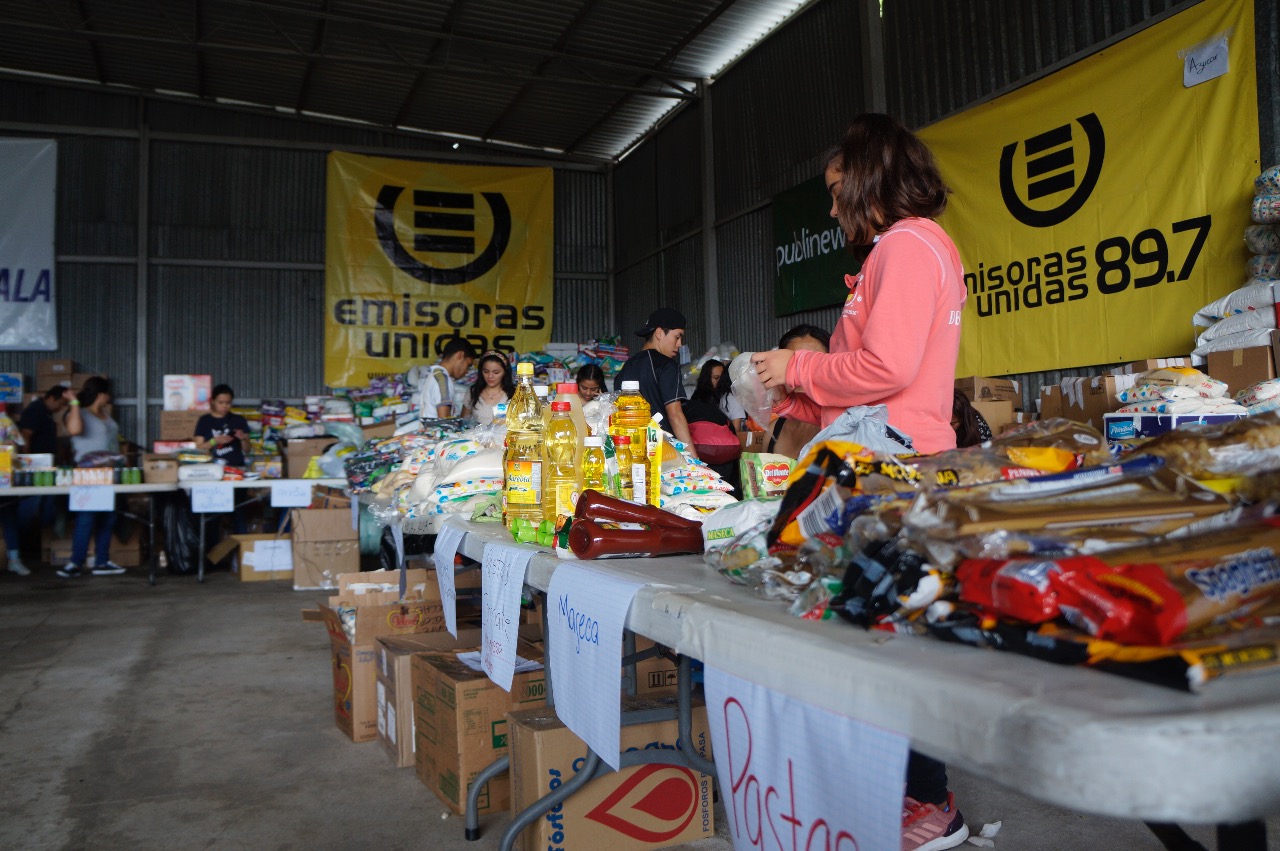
(593, 463)
(632, 419)
(522, 456)
(560, 446)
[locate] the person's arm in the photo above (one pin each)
(907, 290)
(679, 425)
(204, 437)
(797, 406)
(74, 422)
(240, 431)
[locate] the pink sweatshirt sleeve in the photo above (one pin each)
(903, 297)
(799, 407)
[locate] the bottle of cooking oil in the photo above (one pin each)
(622, 449)
(632, 419)
(593, 463)
(522, 463)
(560, 486)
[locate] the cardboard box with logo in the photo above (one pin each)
(1242, 368)
(159, 469)
(178, 425)
(605, 813)
(981, 389)
(656, 675)
(324, 547)
(395, 682)
(460, 725)
(298, 453)
(369, 616)
(186, 392)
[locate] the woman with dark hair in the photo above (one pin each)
(714, 388)
(493, 386)
(895, 344)
(92, 430)
(806, 337)
(970, 426)
(590, 380)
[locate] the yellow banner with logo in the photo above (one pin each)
(416, 253)
(1097, 209)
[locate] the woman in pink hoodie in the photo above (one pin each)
(898, 335)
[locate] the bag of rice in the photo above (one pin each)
(1266, 209)
(1155, 393)
(1256, 294)
(1251, 320)
(1264, 265)
(1261, 392)
(1243, 340)
(1268, 183)
(1185, 376)
(1262, 239)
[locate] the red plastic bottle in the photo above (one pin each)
(594, 505)
(590, 540)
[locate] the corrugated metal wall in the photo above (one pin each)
(778, 109)
(235, 244)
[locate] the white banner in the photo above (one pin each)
(794, 775)
(28, 189)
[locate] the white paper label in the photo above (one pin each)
(502, 567)
(1205, 62)
(587, 610)
(447, 543)
(777, 780)
(269, 556)
(92, 498)
(383, 709)
(391, 722)
(290, 493)
(212, 499)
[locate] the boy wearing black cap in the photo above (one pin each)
(656, 368)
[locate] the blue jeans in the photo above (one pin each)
(32, 507)
(95, 524)
(9, 519)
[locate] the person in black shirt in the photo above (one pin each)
(40, 435)
(223, 434)
(658, 372)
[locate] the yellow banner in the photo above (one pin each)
(1098, 208)
(416, 253)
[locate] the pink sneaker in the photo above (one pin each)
(928, 827)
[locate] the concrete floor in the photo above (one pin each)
(198, 716)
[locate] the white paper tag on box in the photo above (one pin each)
(290, 493)
(212, 499)
(269, 556)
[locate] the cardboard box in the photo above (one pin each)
(395, 682)
(324, 546)
(186, 392)
(126, 552)
(1087, 400)
(259, 558)
(754, 441)
(11, 388)
(1141, 366)
(178, 425)
(379, 430)
(656, 676)
(678, 807)
(1126, 428)
(1050, 403)
(1242, 368)
(48, 380)
(298, 453)
(58, 366)
(997, 414)
(460, 725)
(159, 469)
(980, 389)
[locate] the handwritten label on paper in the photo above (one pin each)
(447, 543)
(270, 556)
(287, 493)
(92, 498)
(1205, 62)
(212, 499)
(587, 610)
(777, 780)
(502, 576)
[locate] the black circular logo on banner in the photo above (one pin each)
(443, 223)
(1050, 159)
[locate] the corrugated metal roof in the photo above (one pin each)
(574, 78)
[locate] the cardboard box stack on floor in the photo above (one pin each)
(127, 548)
(999, 400)
(325, 544)
(460, 724)
(644, 806)
(1242, 368)
(356, 617)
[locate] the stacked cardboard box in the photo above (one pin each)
(460, 724)
(355, 619)
(1085, 399)
(1242, 368)
(52, 372)
(325, 546)
(998, 400)
(298, 453)
(677, 804)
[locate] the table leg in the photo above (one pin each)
(200, 554)
(531, 814)
(151, 539)
(492, 770)
(1247, 836)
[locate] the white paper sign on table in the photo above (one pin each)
(212, 498)
(502, 576)
(92, 498)
(447, 543)
(779, 775)
(586, 612)
(288, 493)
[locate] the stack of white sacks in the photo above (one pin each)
(1177, 391)
(1246, 317)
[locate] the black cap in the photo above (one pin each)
(664, 317)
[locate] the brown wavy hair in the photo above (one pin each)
(886, 174)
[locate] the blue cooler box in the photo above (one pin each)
(1128, 427)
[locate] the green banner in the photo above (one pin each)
(810, 255)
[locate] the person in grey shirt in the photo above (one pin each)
(92, 430)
